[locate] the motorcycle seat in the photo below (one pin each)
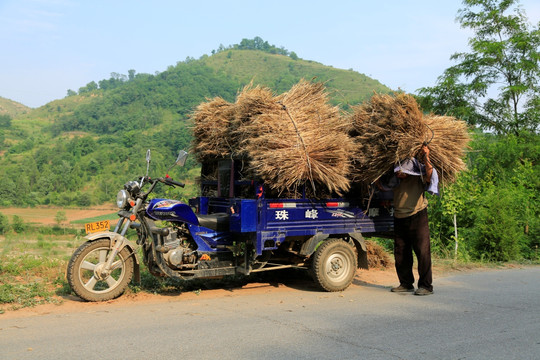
(217, 221)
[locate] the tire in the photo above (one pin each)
(87, 283)
(334, 265)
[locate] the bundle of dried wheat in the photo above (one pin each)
(386, 129)
(302, 142)
(389, 129)
(211, 127)
(250, 103)
(377, 256)
(288, 141)
(448, 146)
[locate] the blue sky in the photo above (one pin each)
(50, 46)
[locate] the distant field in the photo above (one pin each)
(76, 217)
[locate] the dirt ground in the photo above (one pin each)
(44, 215)
(69, 304)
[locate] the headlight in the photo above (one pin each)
(122, 199)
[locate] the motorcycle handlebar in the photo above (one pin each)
(170, 181)
(167, 181)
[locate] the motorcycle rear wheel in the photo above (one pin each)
(85, 272)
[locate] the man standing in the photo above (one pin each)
(411, 226)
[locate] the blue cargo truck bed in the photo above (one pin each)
(246, 227)
(273, 220)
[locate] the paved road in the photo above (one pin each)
(481, 315)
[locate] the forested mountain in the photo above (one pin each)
(79, 150)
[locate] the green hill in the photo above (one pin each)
(12, 108)
(80, 150)
(280, 72)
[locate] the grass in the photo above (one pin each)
(32, 268)
(113, 216)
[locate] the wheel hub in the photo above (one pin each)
(336, 265)
(100, 272)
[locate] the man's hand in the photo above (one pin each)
(424, 156)
(425, 150)
(427, 162)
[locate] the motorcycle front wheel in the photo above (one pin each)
(87, 276)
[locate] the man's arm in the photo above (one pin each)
(427, 163)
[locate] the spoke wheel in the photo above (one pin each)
(334, 265)
(88, 277)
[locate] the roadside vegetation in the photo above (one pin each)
(33, 262)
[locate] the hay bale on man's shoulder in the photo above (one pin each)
(390, 129)
(448, 146)
(386, 129)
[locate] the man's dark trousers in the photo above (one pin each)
(412, 234)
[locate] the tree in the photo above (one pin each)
(504, 53)
(91, 86)
(60, 217)
(5, 121)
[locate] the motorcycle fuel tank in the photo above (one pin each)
(171, 210)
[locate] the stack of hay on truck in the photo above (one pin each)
(298, 145)
(293, 142)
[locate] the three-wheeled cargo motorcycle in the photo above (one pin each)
(232, 228)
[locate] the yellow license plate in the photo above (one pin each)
(97, 226)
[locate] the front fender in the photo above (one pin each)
(113, 237)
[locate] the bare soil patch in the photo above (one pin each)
(45, 215)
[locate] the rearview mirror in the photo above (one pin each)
(182, 157)
(148, 158)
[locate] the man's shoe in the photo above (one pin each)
(403, 288)
(423, 291)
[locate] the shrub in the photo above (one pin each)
(497, 233)
(4, 224)
(18, 224)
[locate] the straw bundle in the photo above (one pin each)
(389, 129)
(377, 256)
(297, 139)
(210, 132)
(386, 130)
(250, 103)
(288, 141)
(450, 140)
(300, 143)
